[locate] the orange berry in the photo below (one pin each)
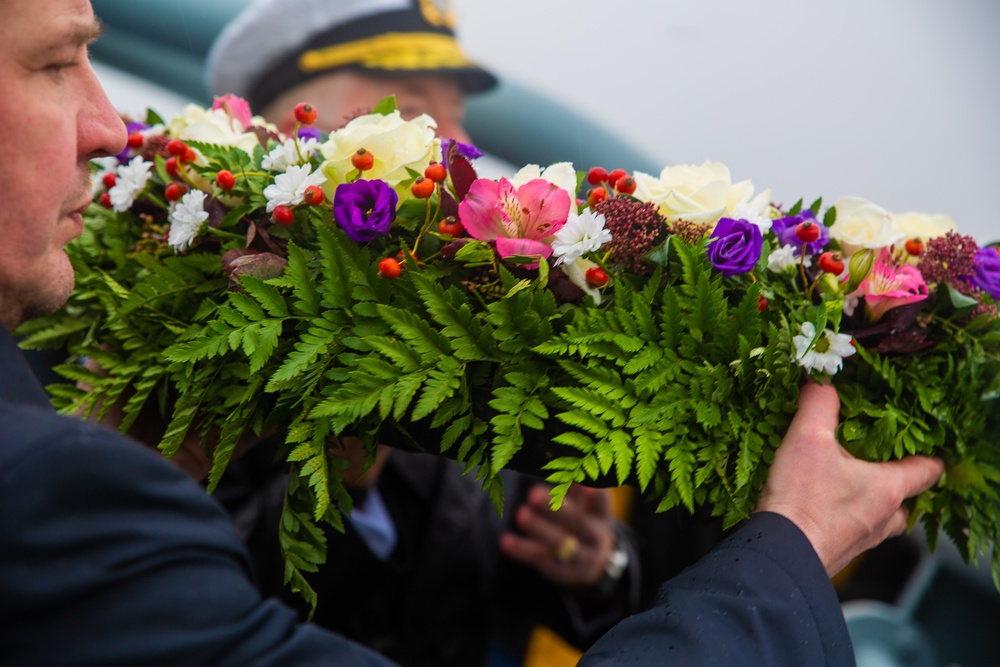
(596, 276)
(915, 247)
(225, 179)
(389, 268)
(625, 185)
(422, 188)
(175, 191)
(436, 172)
(596, 195)
(283, 215)
(831, 262)
(450, 226)
(313, 195)
(615, 176)
(362, 160)
(305, 113)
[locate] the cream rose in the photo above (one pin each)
(396, 145)
(701, 194)
(922, 226)
(862, 224)
(217, 127)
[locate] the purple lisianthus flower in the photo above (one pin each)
(308, 132)
(468, 151)
(734, 246)
(365, 209)
(784, 229)
(987, 276)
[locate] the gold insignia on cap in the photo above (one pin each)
(392, 51)
(438, 12)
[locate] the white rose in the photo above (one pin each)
(396, 145)
(862, 224)
(217, 127)
(701, 194)
(922, 225)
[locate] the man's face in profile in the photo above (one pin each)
(54, 117)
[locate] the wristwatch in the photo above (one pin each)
(614, 570)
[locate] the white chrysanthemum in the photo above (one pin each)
(581, 234)
(132, 179)
(288, 188)
(106, 165)
(186, 219)
(827, 354)
(783, 258)
(287, 154)
(752, 215)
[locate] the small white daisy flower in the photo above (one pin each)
(827, 354)
(285, 155)
(288, 188)
(783, 258)
(581, 234)
(186, 219)
(132, 180)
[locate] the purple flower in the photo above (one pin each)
(784, 229)
(735, 246)
(308, 132)
(468, 151)
(365, 209)
(987, 276)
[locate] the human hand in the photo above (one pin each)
(569, 546)
(843, 505)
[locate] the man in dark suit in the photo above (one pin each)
(110, 556)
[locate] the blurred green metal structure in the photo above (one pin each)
(165, 42)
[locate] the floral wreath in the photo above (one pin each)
(589, 327)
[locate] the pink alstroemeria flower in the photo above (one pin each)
(237, 108)
(521, 220)
(889, 286)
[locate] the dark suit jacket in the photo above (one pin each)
(109, 556)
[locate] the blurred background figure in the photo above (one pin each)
(427, 573)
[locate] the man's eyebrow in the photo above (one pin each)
(79, 34)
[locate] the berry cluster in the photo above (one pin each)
(617, 182)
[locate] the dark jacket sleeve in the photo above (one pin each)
(761, 597)
(109, 556)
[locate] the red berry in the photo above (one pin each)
(305, 113)
(389, 268)
(362, 160)
(450, 226)
(177, 147)
(105, 200)
(175, 191)
(625, 185)
(595, 195)
(110, 179)
(171, 166)
(313, 195)
(225, 179)
(401, 258)
(283, 215)
(831, 262)
(422, 188)
(807, 232)
(615, 176)
(136, 140)
(915, 247)
(596, 276)
(190, 155)
(436, 172)
(597, 175)
(761, 303)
